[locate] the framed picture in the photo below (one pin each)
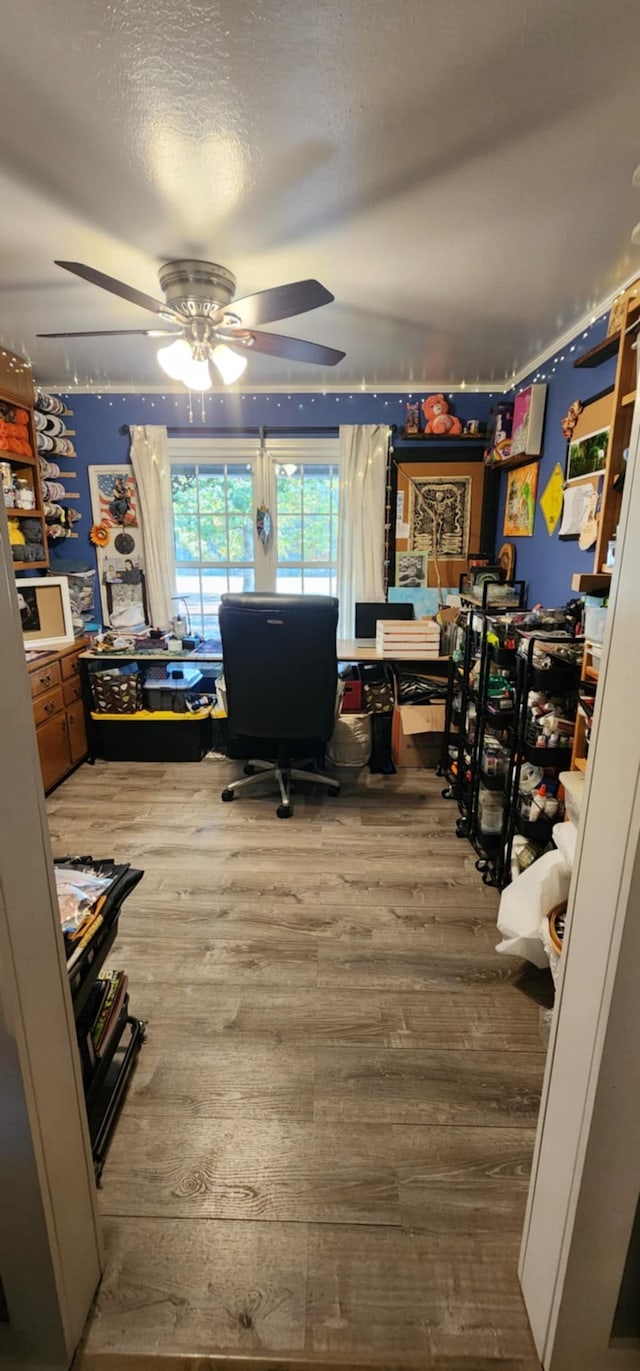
(587, 454)
(411, 569)
(520, 507)
(121, 565)
(528, 421)
(45, 611)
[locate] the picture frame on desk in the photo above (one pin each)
(45, 612)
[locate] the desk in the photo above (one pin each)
(349, 650)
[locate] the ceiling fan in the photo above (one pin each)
(213, 326)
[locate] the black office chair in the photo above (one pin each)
(281, 674)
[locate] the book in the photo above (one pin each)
(115, 980)
(91, 930)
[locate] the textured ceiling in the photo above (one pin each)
(457, 172)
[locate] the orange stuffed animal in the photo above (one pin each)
(437, 417)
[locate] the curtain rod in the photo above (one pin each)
(245, 431)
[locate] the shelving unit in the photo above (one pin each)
(105, 1090)
(589, 677)
(619, 344)
(16, 391)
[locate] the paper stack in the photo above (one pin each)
(416, 640)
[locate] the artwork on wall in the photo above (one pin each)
(45, 611)
(520, 507)
(551, 499)
(528, 421)
(440, 512)
(587, 454)
(119, 551)
(577, 509)
(411, 569)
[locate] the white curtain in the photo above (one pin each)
(150, 462)
(363, 464)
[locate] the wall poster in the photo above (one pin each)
(121, 569)
(520, 507)
(440, 512)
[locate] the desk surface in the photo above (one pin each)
(349, 650)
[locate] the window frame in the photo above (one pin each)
(201, 451)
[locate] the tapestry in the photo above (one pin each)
(120, 553)
(440, 515)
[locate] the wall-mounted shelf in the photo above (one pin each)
(602, 352)
(18, 459)
(592, 582)
(24, 514)
(510, 463)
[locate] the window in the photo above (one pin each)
(215, 488)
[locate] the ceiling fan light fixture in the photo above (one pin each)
(196, 375)
(229, 363)
(175, 358)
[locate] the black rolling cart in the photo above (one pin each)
(105, 1085)
(560, 680)
(458, 737)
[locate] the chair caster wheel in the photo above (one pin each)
(284, 811)
(248, 769)
(481, 865)
(228, 795)
(334, 791)
(447, 793)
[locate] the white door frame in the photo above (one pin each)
(586, 1170)
(50, 1257)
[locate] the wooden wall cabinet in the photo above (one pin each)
(58, 712)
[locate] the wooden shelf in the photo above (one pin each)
(581, 764)
(591, 673)
(629, 399)
(591, 582)
(18, 460)
(510, 463)
(24, 513)
(602, 352)
(20, 567)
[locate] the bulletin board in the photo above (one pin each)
(596, 417)
(467, 480)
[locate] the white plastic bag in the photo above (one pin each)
(525, 904)
(350, 742)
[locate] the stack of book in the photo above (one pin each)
(414, 639)
(103, 1011)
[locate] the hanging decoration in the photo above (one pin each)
(99, 535)
(571, 418)
(551, 499)
(263, 524)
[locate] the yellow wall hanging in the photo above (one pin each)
(551, 499)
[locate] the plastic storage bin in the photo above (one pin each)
(153, 738)
(167, 692)
(595, 619)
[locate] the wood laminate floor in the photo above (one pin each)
(324, 1153)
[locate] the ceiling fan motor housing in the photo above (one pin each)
(197, 288)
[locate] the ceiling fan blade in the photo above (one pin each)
(135, 297)
(117, 333)
(281, 302)
(295, 349)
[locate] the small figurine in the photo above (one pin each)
(412, 422)
(438, 420)
(571, 418)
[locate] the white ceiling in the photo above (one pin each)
(457, 172)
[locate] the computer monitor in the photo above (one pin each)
(369, 611)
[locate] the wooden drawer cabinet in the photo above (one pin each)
(44, 678)
(58, 713)
(44, 706)
(71, 666)
(77, 731)
(53, 746)
(72, 690)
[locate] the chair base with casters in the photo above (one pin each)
(257, 771)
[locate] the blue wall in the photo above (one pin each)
(547, 564)
(97, 420)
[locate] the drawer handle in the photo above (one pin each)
(50, 707)
(45, 680)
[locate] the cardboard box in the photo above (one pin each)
(417, 735)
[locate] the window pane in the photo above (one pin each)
(240, 538)
(212, 489)
(188, 587)
(184, 489)
(213, 538)
(334, 540)
(317, 490)
(319, 581)
(289, 581)
(187, 541)
(289, 538)
(240, 491)
(316, 538)
(289, 492)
